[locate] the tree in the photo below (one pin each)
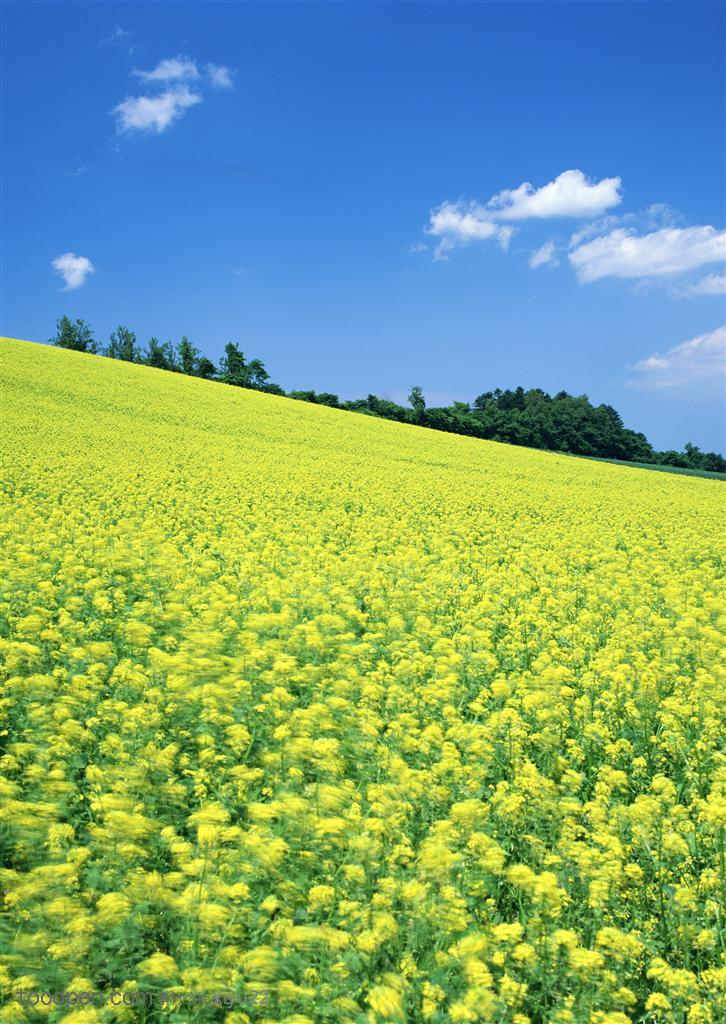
(694, 455)
(189, 357)
(257, 374)
(417, 402)
(77, 336)
(233, 368)
(122, 345)
(326, 398)
(206, 368)
(161, 356)
(713, 462)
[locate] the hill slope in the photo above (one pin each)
(356, 715)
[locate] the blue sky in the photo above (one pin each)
(368, 196)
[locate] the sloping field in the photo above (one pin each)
(348, 720)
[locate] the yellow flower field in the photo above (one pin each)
(369, 721)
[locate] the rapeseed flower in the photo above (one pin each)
(390, 724)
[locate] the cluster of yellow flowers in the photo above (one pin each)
(393, 725)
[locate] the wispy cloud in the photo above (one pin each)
(652, 218)
(570, 194)
(220, 76)
(119, 37)
(73, 269)
(154, 113)
(623, 253)
(700, 360)
(544, 256)
(173, 69)
(79, 170)
(711, 284)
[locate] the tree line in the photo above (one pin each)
(531, 418)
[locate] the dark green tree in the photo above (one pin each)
(326, 398)
(303, 396)
(257, 374)
(417, 402)
(188, 356)
(122, 345)
(162, 356)
(233, 367)
(206, 368)
(77, 335)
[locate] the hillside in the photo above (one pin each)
(355, 714)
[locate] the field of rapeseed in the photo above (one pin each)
(387, 724)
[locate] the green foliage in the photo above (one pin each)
(417, 402)
(319, 398)
(76, 335)
(188, 356)
(327, 398)
(162, 356)
(236, 370)
(190, 360)
(122, 345)
(206, 368)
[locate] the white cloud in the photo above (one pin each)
(702, 360)
(711, 284)
(154, 113)
(544, 255)
(220, 76)
(622, 253)
(569, 195)
(173, 69)
(461, 223)
(73, 269)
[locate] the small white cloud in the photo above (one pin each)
(702, 360)
(73, 269)
(544, 255)
(462, 223)
(622, 253)
(173, 69)
(711, 284)
(220, 76)
(569, 195)
(416, 247)
(154, 113)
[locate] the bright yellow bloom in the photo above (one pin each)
(296, 698)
